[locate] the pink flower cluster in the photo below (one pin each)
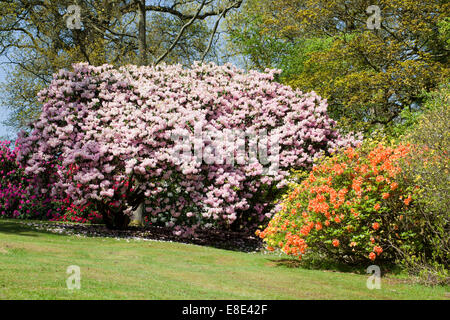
(116, 126)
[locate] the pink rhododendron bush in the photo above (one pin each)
(206, 146)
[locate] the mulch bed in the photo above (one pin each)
(236, 241)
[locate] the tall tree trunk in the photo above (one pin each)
(142, 33)
(138, 216)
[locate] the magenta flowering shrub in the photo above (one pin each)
(69, 212)
(19, 197)
(10, 180)
(117, 127)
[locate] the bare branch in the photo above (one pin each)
(216, 25)
(180, 34)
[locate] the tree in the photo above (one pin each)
(36, 39)
(41, 37)
(368, 76)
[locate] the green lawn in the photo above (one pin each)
(33, 266)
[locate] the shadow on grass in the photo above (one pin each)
(232, 241)
(325, 264)
(20, 228)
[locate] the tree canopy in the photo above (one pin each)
(368, 75)
(36, 38)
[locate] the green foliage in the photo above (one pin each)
(36, 41)
(263, 47)
(368, 76)
(428, 167)
(407, 119)
(444, 31)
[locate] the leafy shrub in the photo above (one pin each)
(117, 125)
(428, 168)
(350, 207)
(69, 212)
(20, 199)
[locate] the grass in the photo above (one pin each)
(33, 265)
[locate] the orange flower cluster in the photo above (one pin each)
(294, 245)
(341, 197)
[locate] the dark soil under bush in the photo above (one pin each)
(229, 240)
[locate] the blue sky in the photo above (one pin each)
(5, 132)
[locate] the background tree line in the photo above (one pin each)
(372, 78)
(35, 40)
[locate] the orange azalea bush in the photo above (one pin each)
(349, 207)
